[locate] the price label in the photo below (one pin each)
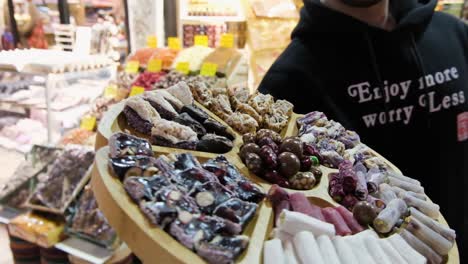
(227, 41)
(208, 69)
(154, 65)
(174, 43)
(201, 40)
(132, 66)
(110, 91)
(152, 42)
(136, 90)
(183, 67)
(88, 123)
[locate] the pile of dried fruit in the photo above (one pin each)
(148, 79)
(289, 163)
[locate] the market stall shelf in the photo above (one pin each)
(151, 243)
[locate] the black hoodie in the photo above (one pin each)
(405, 91)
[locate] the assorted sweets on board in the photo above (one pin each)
(308, 168)
(205, 206)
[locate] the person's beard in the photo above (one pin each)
(360, 3)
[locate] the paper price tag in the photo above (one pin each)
(201, 40)
(136, 90)
(227, 41)
(174, 43)
(152, 42)
(132, 66)
(88, 123)
(110, 91)
(183, 67)
(208, 69)
(154, 65)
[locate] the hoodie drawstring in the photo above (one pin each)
(417, 56)
(375, 65)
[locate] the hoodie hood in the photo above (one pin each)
(411, 15)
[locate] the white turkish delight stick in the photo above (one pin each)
(399, 176)
(294, 222)
(408, 186)
(327, 250)
(273, 252)
(420, 247)
(359, 237)
(438, 227)
(437, 242)
(289, 252)
(360, 251)
(386, 193)
(388, 217)
(391, 252)
(280, 234)
(306, 248)
(406, 251)
(344, 251)
(428, 208)
(401, 193)
(377, 253)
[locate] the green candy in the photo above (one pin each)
(315, 161)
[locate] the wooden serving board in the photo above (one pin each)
(152, 244)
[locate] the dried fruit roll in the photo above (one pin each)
(332, 216)
(403, 178)
(273, 252)
(307, 248)
(389, 216)
(335, 188)
(376, 251)
(408, 186)
(401, 193)
(437, 242)
(391, 252)
(301, 204)
(428, 208)
(294, 222)
(344, 250)
(386, 193)
(375, 178)
(442, 229)
(350, 220)
(361, 186)
(406, 251)
(421, 247)
(290, 255)
(279, 208)
(379, 204)
(327, 250)
(280, 201)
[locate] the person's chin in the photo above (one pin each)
(361, 3)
